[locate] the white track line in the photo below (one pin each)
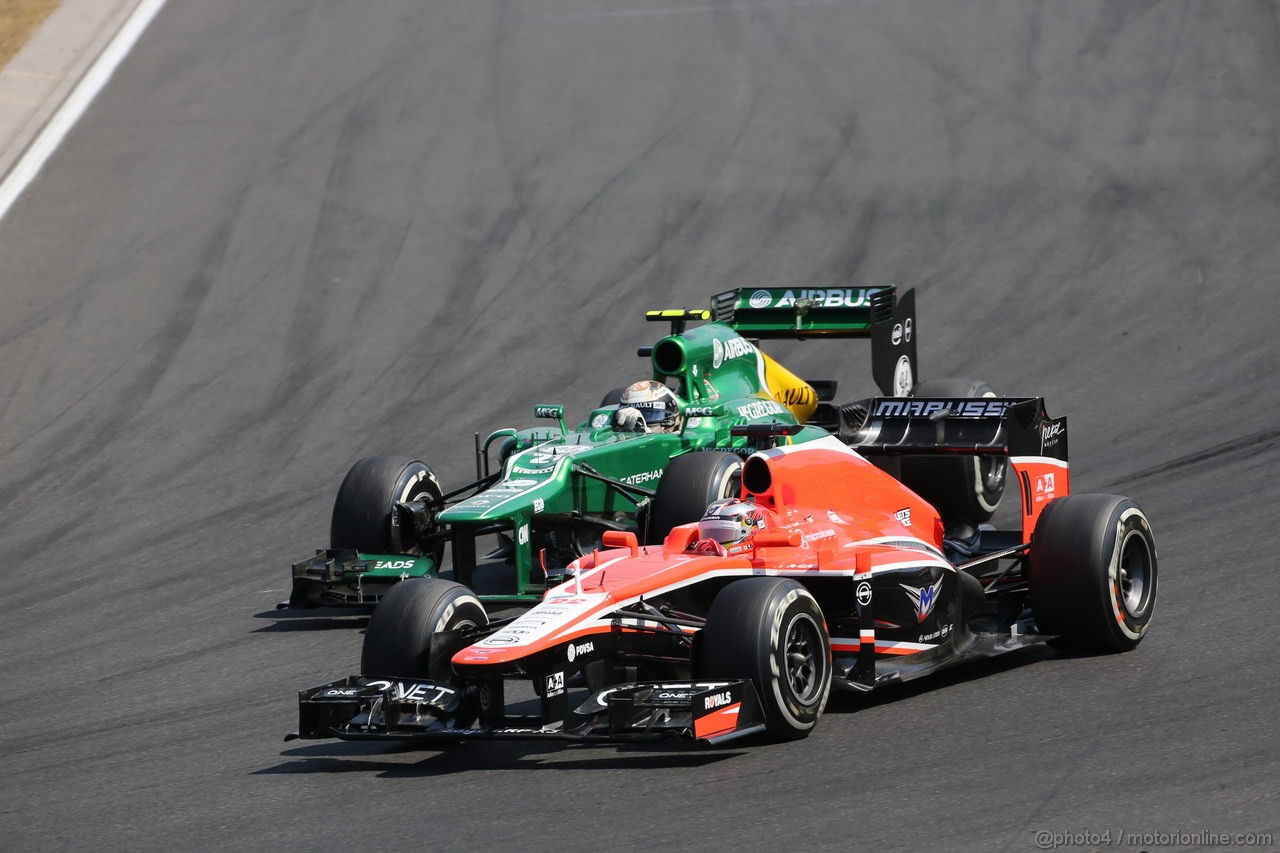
(47, 142)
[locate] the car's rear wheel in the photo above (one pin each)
(365, 516)
(689, 484)
(1093, 572)
(770, 631)
(961, 488)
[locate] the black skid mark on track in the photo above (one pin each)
(1238, 449)
(77, 441)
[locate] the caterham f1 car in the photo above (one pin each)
(556, 490)
(825, 570)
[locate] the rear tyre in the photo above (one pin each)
(1093, 573)
(406, 636)
(364, 516)
(771, 631)
(690, 483)
(960, 488)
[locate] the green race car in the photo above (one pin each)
(651, 456)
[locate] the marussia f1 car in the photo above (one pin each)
(558, 489)
(826, 571)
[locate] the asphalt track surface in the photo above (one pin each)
(291, 234)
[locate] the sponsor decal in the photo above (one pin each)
(699, 411)
(717, 700)
(548, 411)
(550, 454)
(799, 395)
(599, 421)
(576, 649)
(423, 694)
(516, 469)
(761, 409)
(1049, 434)
(906, 329)
(686, 689)
(514, 486)
(722, 351)
(864, 593)
(831, 297)
(636, 479)
(503, 639)
(539, 505)
(737, 348)
(1044, 488)
(940, 634)
(760, 299)
(817, 535)
(924, 599)
(976, 408)
(904, 516)
(903, 378)
(522, 535)
(555, 684)
(393, 564)
(896, 335)
(342, 691)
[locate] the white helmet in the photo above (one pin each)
(656, 404)
(730, 521)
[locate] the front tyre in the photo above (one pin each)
(1093, 572)
(415, 629)
(364, 513)
(688, 486)
(771, 631)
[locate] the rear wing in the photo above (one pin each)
(1016, 427)
(837, 312)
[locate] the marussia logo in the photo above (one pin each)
(924, 599)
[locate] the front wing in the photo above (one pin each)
(365, 708)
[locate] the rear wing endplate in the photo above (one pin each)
(832, 312)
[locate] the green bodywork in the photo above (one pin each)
(558, 488)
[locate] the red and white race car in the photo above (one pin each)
(826, 570)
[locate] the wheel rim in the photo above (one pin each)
(991, 475)
(1135, 573)
(398, 542)
(802, 653)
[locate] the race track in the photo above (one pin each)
(294, 233)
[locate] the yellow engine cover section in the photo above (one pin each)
(789, 390)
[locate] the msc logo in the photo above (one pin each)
(924, 599)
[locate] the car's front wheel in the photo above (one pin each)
(770, 631)
(365, 516)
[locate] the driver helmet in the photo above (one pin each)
(731, 521)
(656, 404)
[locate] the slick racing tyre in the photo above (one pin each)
(406, 636)
(364, 514)
(772, 632)
(691, 483)
(960, 488)
(1093, 573)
